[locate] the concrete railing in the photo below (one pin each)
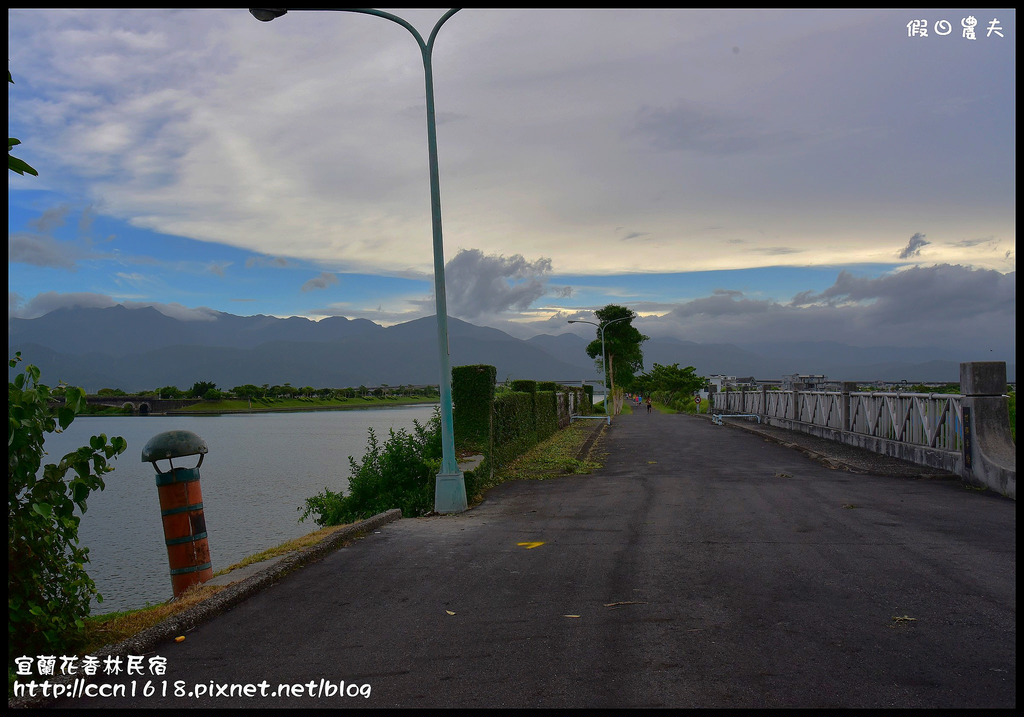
(964, 434)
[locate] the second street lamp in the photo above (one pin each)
(604, 359)
(450, 485)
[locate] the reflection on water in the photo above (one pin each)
(261, 467)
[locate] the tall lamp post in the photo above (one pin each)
(450, 485)
(604, 359)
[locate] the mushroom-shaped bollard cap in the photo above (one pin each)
(173, 444)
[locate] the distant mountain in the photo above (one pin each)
(140, 349)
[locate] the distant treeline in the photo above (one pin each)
(208, 390)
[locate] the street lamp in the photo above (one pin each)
(450, 485)
(604, 360)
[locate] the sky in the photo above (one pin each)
(733, 175)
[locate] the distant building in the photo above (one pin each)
(720, 381)
(807, 381)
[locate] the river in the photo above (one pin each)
(259, 470)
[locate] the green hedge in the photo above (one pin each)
(473, 397)
(515, 429)
(516, 418)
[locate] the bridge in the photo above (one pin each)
(967, 434)
(142, 405)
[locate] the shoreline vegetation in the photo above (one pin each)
(267, 405)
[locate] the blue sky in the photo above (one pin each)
(732, 175)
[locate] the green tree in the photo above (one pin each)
(199, 388)
(170, 392)
(671, 379)
(49, 591)
(622, 344)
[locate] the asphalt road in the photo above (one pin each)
(703, 566)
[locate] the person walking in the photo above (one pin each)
(648, 404)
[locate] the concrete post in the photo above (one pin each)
(989, 451)
(844, 404)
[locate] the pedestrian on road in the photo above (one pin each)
(648, 404)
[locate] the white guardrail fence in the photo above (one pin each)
(932, 420)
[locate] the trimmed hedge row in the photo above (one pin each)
(473, 393)
(514, 420)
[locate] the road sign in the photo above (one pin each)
(697, 400)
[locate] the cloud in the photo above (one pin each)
(481, 285)
(52, 300)
(276, 262)
(51, 219)
(43, 304)
(41, 250)
(320, 282)
(952, 307)
(913, 247)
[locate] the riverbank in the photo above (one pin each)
(261, 405)
(285, 405)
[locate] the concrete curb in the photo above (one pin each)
(223, 600)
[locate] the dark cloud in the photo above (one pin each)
(949, 306)
(913, 247)
(480, 285)
(51, 219)
(40, 250)
(272, 261)
(320, 282)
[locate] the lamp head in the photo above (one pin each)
(266, 14)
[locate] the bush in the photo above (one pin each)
(48, 590)
(400, 473)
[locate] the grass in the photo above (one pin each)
(557, 456)
(101, 630)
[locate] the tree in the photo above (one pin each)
(13, 163)
(671, 379)
(170, 392)
(622, 343)
(49, 592)
(199, 388)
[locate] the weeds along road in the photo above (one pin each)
(700, 567)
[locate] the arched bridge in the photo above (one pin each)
(142, 405)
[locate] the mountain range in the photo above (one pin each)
(140, 349)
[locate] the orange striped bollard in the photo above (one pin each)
(181, 507)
